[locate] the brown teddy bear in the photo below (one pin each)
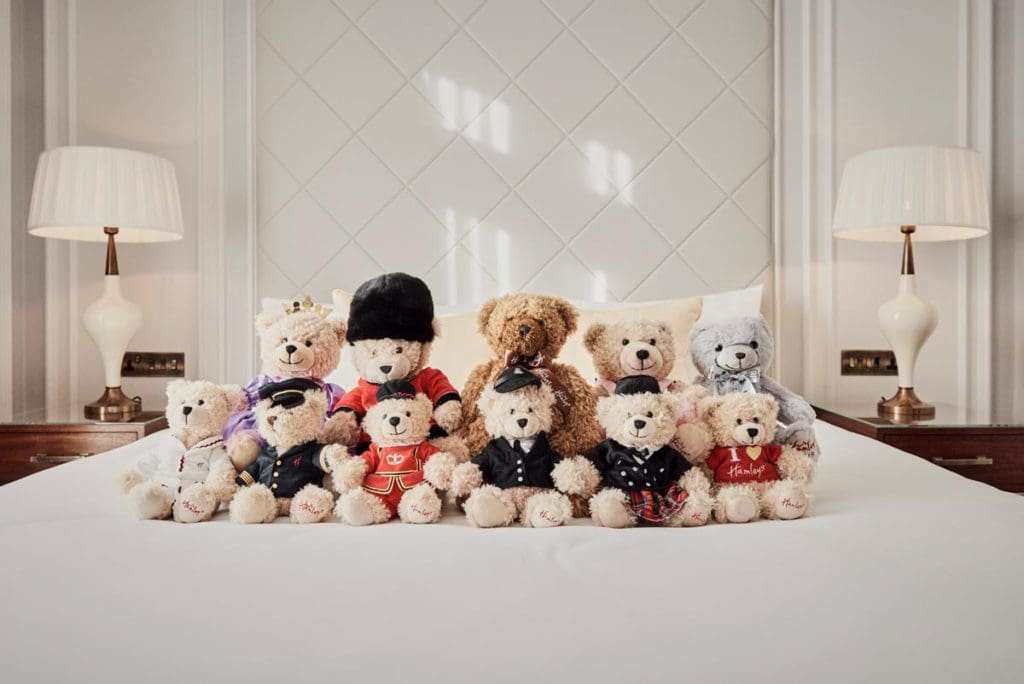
(286, 476)
(391, 326)
(188, 476)
(644, 347)
(298, 342)
(401, 472)
(518, 474)
(646, 481)
(752, 477)
(530, 330)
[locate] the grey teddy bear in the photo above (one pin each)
(731, 356)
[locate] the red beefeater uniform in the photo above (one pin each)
(743, 464)
(392, 471)
(429, 381)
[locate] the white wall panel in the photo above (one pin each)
(600, 150)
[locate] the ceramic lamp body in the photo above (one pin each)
(907, 321)
(112, 322)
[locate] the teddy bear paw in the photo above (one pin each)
(311, 505)
(786, 501)
(420, 506)
(151, 501)
(736, 505)
(487, 507)
(360, 508)
(697, 509)
(608, 509)
(195, 504)
(548, 509)
(252, 505)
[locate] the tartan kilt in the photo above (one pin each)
(656, 507)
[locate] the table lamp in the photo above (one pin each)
(888, 195)
(93, 194)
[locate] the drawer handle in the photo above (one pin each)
(51, 459)
(977, 460)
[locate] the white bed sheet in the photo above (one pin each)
(903, 572)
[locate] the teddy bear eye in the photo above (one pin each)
(753, 345)
(757, 420)
(718, 347)
(283, 340)
(650, 414)
(625, 342)
(309, 343)
(200, 402)
(739, 421)
(398, 350)
(408, 414)
(653, 343)
(530, 410)
(511, 412)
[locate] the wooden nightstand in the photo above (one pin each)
(38, 440)
(981, 450)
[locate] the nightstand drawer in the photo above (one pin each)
(24, 453)
(997, 460)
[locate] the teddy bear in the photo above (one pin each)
(402, 471)
(187, 477)
(391, 326)
(518, 474)
(286, 477)
(530, 330)
(732, 355)
(646, 481)
(752, 477)
(645, 347)
(298, 342)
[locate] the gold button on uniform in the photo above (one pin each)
(278, 463)
(276, 473)
(273, 486)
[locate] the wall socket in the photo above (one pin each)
(153, 365)
(868, 362)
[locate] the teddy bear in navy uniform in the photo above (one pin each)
(401, 472)
(518, 474)
(646, 481)
(391, 326)
(286, 477)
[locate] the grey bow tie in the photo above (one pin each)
(727, 381)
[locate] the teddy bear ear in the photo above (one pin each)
(339, 328)
(592, 338)
(435, 325)
(706, 406)
(175, 386)
(266, 319)
(235, 397)
(484, 315)
(569, 314)
(486, 400)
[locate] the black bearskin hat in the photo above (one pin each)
(395, 305)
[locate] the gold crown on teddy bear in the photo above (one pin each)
(307, 306)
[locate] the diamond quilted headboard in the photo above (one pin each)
(604, 150)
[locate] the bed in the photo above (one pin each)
(903, 572)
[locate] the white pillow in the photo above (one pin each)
(460, 348)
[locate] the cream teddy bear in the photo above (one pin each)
(286, 477)
(518, 474)
(753, 477)
(646, 481)
(644, 347)
(391, 327)
(401, 471)
(189, 476)
(299, 342)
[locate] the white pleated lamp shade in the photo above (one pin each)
(79, 191)
(939, 190)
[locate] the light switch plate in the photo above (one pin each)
(868, 362)
(153, 365)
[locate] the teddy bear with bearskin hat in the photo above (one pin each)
(301, 341)
(646, 481)
(518, 474)
(286, 477)
(391, 327)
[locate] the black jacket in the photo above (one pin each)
(505, 466)
(630, 469)
(289, 472)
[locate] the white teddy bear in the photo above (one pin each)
(187, 477)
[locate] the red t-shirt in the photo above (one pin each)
(742, 464)
(428, 381)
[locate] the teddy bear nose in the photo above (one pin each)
(753, 431)
(741, 355)
(639, 424)
(394, 420)
(522, 422)
(642, 354)
(186, 410)
(291, 349)
(271, 420)
(385, 369)
(524, 330)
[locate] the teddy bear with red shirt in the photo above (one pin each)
(391, 327)
(401, 472)
(752, 477)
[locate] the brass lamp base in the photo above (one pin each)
(114, 406)
(904, 406)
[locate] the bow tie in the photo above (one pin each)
(727, 381)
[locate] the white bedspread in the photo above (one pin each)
(903, 572)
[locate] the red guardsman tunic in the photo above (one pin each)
(391, 471)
